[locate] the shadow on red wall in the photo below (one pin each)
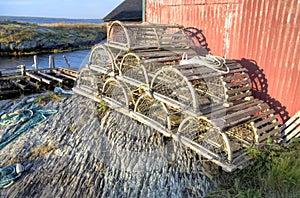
(260, 89)
(258, 79)
(197, 40)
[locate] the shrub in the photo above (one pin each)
(275, 173)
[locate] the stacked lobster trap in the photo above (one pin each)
(150, 73)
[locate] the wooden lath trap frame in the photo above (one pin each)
(139, 72)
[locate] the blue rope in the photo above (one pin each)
(21, 121)
(59, 90)
(24, 120)
(10, 173)
(2, 112)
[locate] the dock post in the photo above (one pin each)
(35, 60)
(51, 62)
(23, 70)
(64, 56)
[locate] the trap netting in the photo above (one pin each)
(205, 134)
(169, 83)
(210, 89)
(101, 59)
(226, 80)
(189, 87)
(117, 92)
(133, 36)
(132, 69)
(229, 130)
(153, 109)
(145, 63)
(86, 80)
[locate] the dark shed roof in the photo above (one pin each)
(128, 10)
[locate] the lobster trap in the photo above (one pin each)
(150, 73)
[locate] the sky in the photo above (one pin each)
(75, 9)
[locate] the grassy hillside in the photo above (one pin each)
(26, 38)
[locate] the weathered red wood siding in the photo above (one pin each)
(263, 34)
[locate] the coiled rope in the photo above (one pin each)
(24, 119)
(9, 173)
(215, 63)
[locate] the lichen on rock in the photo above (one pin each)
(27, 38)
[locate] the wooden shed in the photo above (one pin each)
(262, 34)
(128, 10)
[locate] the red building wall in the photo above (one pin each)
(263, 34)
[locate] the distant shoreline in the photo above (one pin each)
(19, 38)
(42, 20)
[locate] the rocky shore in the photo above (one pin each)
(81, 152)
(27, 38)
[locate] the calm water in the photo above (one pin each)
(76, 59)
(41, 20)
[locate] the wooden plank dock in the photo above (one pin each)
(21, 81)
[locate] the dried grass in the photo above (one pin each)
(42, 150)
(74, 25)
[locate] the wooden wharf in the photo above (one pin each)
(20, 80)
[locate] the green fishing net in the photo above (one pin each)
(17, 123)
